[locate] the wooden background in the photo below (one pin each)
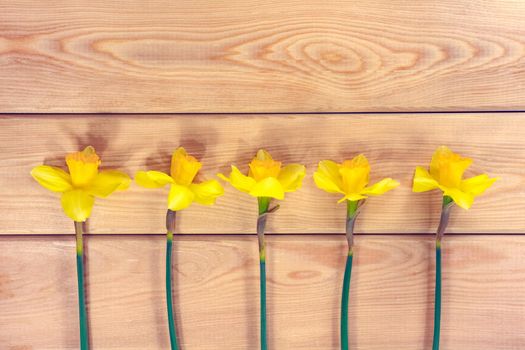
(308, 80)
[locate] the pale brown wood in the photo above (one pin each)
(394, 144)
(216, 292)
(247, 56)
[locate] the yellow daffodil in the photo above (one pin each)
(446, 173)
(350, 179)
(183, 190)
(266, 177)
(82, 184)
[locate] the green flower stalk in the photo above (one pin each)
(264, 204)
(170, 228)
(264, 210)
(352, 211)
(82, 313)
(445, 214)
(183, 192)
(350, 178)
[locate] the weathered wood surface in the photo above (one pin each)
(247, 56)
(394, 144)
(216, 292)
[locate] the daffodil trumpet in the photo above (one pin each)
(78, 190)
(183, 192)
(446, 174)
(266, 180)
(349, 179)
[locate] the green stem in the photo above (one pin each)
(170, 223)
(262, 269)
(351, 214)
(82, 313)
(445, 214)
(344, 303)
(437, 298)
(264, 204)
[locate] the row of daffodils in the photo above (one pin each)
(267, 179)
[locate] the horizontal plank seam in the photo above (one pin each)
(268, 234)
(261, 113)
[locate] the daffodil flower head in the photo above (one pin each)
(446, 173)
(82, 184)
(183, 189)
(350, 179)
(267, 177)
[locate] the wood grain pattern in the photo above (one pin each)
(245, 56)
(216, 292)
(394, 144)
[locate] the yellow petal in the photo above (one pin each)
(263, 155)
(83, 166)
(291, 177)
(269, 187)
(478, 184)
(381, 187)
(423, 181)
(223, 177)
(108, 181)
(355, 174)
(180, 197)
(462, 199)
(52, 178)
(452, 173)
(152, 179)
(263, 168)
(206, 192)
(77, 204)
(326, 183)
(352, 197)
(442, 153)
(354, 180)
(184, 167)
(239, 181)
(180, 153)
(327, 177)
(359, 161)
(448, 167)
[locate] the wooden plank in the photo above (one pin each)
(233, 56)
(394, 144)
(216, 292)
